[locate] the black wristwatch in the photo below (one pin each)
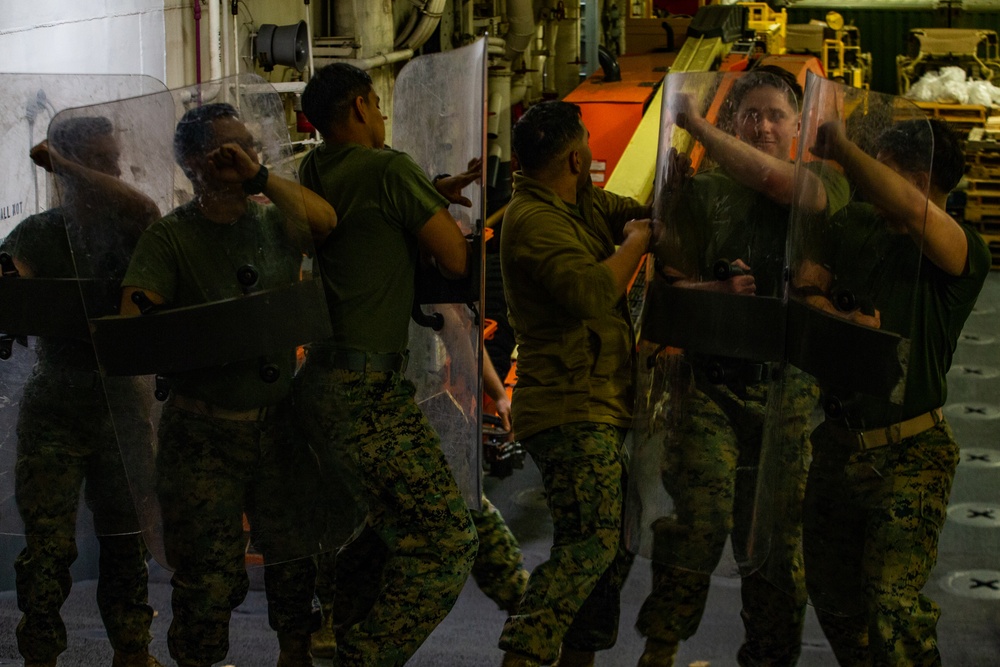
(256, 185)
(438, 178)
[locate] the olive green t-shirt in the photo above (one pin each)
(190, 260)
(720, 219)
(369, 261)
(914, 298)
(42, 243)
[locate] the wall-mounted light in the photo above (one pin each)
(286, 45)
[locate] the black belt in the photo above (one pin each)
(356, 360)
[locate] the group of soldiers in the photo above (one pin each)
(331, 454)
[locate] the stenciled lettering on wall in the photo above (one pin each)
(12, 210)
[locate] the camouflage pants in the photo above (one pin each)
(353, 575)
(713, 466)
(210, 472)
(370, 421)
(574, 597)
(66, 439)
(872, 522)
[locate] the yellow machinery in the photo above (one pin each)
(837, 45)
(728, 47)
(842, 57)
(767, 25)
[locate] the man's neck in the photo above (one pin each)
(565, 187)
(349, 135)
(222, 208)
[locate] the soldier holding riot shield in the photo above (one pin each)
(722, 262)
(884, 461)
(66, 437)
(565, 283)
(351, 393)
(224, 438)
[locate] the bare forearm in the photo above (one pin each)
(302, 205)
(940, 237)
(757, 170)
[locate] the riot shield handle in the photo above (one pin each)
(835, 406)
(269, 372)
(500, 454)
(719, 373)
(162, 389)
(145, 304)
(723, 269)
(847, 301)
(433, 321)
(248, 277)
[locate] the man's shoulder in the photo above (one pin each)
(526, 204)
(49, 219)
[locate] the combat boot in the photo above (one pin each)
(295, 651)
(571, 657)
(518, 660)
(658, 654)
(138, 659)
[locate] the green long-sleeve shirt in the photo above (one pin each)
(572, 325)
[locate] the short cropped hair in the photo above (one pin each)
(545, 132)
(68, 135)
(194, 131)
(767, 75)
(330, 93)
(910, 142)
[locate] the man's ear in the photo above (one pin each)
(360, 108)
(574, 162)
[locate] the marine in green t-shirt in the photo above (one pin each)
(225, 439)
(878, 492)
(738, 215)
(351, 395)
(67, 438)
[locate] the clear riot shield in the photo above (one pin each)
(854, 281)
(441, 99)
(56, 433)
(218, 294)
(712, 329)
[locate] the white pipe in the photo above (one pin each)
(309, 40)
(496, 50)
(236, 45)
(551, 61)
(499, 102)
(521, 30)
(226, 49)
(567, 70)
(429, 16)
(376, 61)
(518, 88)
(496, 41)
(214, 48)
(428, 23)
(407, 30)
